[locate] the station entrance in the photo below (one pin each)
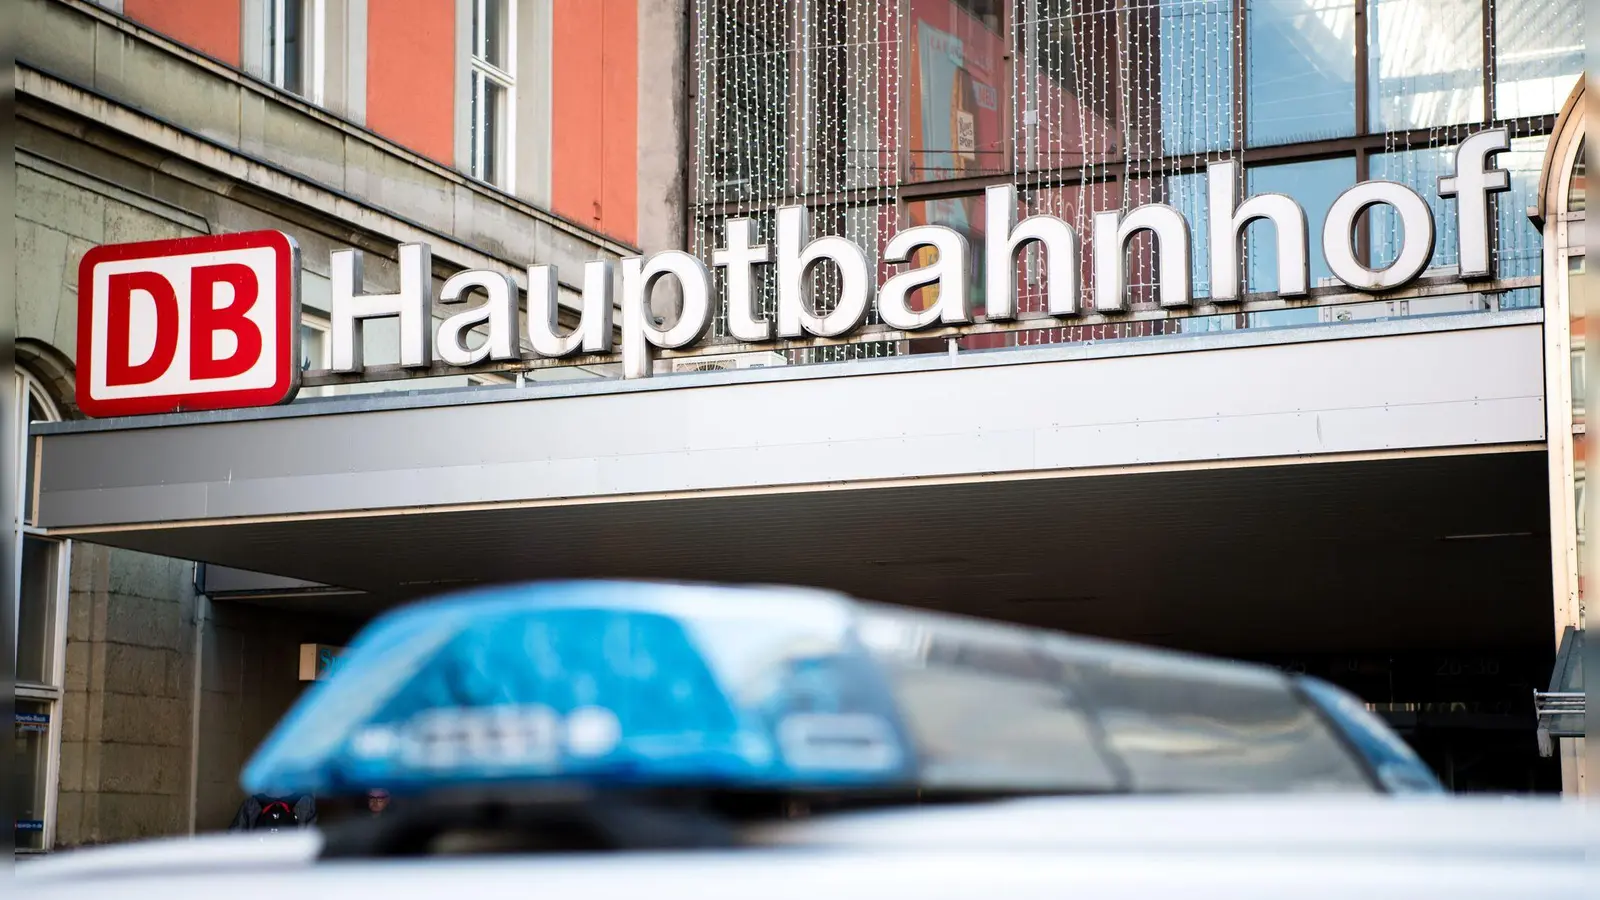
(1387, 531)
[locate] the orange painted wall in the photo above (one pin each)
(210, 26)
(411, 83)
(594, 143)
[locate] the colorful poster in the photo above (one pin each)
(955, 121)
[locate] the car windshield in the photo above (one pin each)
(1003, 704)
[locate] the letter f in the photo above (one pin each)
(1472, 184)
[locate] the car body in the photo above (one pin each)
(1083, 847)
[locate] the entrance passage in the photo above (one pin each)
(1370, 508)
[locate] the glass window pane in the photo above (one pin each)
(1538, 55)
(1175, 732)
(313, 346)
(1069, 83)
(1518, 248)
(293, 48)
(494, 98)
(31, 760)
(494, 33)
(1419, 170)
(957, 75)
(36, 611)
(1578, 187)
(1302, 70)
(746, 110)
(475, 123)
(1196, 76)
(36, 413)
(1425, 63)
(1315, 185)
(1187, 193)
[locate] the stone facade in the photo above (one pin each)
(126, 736)
(124, 136)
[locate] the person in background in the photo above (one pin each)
(263, 813)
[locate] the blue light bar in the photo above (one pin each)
(633, 684)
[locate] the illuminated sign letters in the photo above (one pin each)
(213, 322)
(794, 252)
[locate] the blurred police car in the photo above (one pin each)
(787, 742)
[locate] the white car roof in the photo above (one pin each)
(1122, 846)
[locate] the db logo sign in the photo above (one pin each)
(197, 323)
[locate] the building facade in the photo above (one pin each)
(340, 123)
(1384, 488)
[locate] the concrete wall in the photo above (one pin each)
(126, 715)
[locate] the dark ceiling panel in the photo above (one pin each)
(1438, 551)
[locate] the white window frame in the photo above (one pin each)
(325, 327)
(313, 46)
(505, 79)
(51, 691)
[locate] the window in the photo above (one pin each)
(493, 90)
(41, 579)
(1538, 55)
(1425, 63)
(293, 47)
(1196, 75)
(1302, 70)
(957, 53)
(316, 350)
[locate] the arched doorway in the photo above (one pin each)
(1572, 361)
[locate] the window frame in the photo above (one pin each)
(51, 692)
(312, 52)
(481, 73)
(324, 326)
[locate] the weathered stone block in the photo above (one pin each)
(126, 817)
(71, 829)
(139, 670)
(144, 575)
(173, 89)
(301, 144)
(54, 38)
(143, 769)
(127, 224)
(60, 206)
(71, 766)
(133, 719)
(145, 622)
(74, 716)
(44, 251)
(90, 569)
(78, 665)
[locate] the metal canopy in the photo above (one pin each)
(1263, 490)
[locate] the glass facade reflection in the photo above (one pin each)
(1302, 70)
(1316, 185)
(1424, 63)
(1196, 75)
(889, 113)
(1538, 55)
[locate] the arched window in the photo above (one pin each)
(41, 581)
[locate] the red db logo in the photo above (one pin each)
(195, 323)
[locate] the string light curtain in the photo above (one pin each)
(880, 114)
